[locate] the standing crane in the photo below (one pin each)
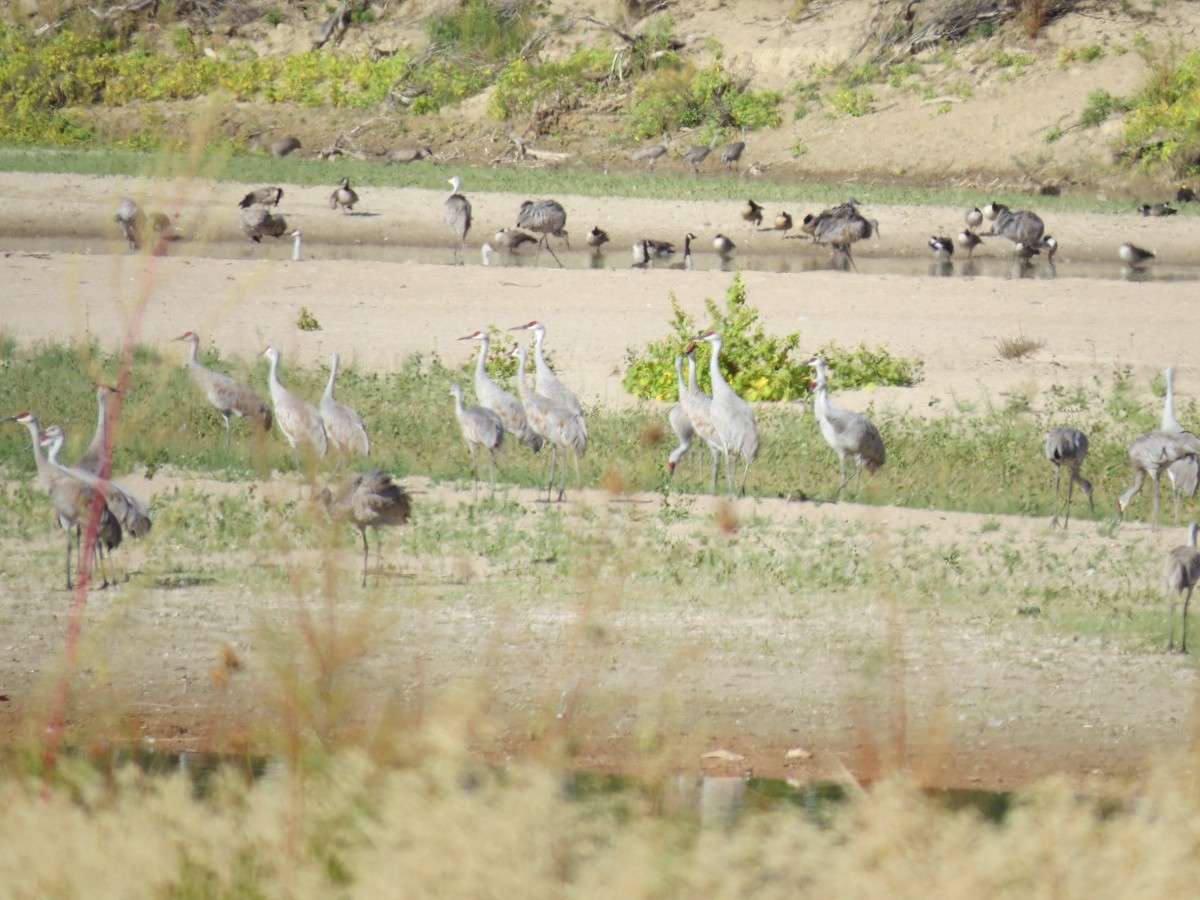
(696, 155)
(698, 406)
(344, 428)
(491, 396)
(1020, 226)
(457, 216)
(368, 500)
(555, 423)
(299, 420)
(481, 429)
(73, 499)
(229, 397)
(92, 459)
(1068, 447)
(841, 226)
(343, 197)
(547, 383)
(544, 217)
(1149, 455)
(1181, 574)
(732, 416)
(848, 433)
(733, 152)
(681, 423)
(653, 153)
(132, 222)
(131, 512)
(1184, 473)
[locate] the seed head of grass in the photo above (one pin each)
(1018, 347)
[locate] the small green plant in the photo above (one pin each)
(1101, 106)
(1015, 60)
(1053, 134)
(307, 321)
(799, 148)
(273, 17)
(853, 102)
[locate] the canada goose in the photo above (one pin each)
(968, 240)
(1158, 210)
(1134, 256)
(597, 237)
(264, 196)
(343, 197)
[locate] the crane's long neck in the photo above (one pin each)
(35, 431)
(277, 389)
(333, 371)
(539, 336)
(714, 369)
(193, 352)
(679, 374)
(1169, 422)
(692, 384)
(521, 389)
(1192, 535)
(821, 398)
(101, 418)
(55, 449)
(458, 405)
(481, 372)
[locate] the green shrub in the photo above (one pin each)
(852, 102)
(1163, 124)
(1101, 106)
(758, 366)
(481, 30)
(706, 99)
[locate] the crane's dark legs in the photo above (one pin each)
(1057, 477)
(546, 240)
(1070, 493)
(1154, 513)
(69, 585)
(553, 470)
(228, 435)
(1183, 639)
(366, 553)
(493, 472)
(475, 470)
(716, 466)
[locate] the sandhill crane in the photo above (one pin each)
(299, 420)
(653, 153)
(1181, 574)
(733, 152)
(343, 197)
(698, 406)
(511, 239)
(732, 416)
(841, 226)
(296, 257)
(73, 499)
(848, 433)
(229, 397)
(554, 423)
(969, 240)
(92, 459)
(973, 217)
(1134, 256)
(344, 428)
(682, 426)
(723, 246)
(597, 238)
(1184, 473)
(696, 155)
(481, 429)
(457, 216)
(1157, 210)
(547, 383)
(406, 155)
(132, 222)
(685, 264)
(368, 500)
(1150, 454)
(1068, 447)
(1021, 227)
(284, 145)
(258, 222)
(544, 217)
(263, 196)
(752, 213)
(491, 396)
(942, 247)
(131, 512)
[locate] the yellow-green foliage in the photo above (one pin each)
(1163, 126)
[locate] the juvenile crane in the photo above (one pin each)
(299, 420)
(92, 459)
(848, 433)
(491, 396)
(343, 197)
(1181, 575)
(457, 216)
(544, 217)
(368, 500)
(1149, 455)
(732, 416)
(733, 151)
(1022, 227)
(653, 152)
(481, 429)
(1184, 473)
(681, 423)
(696, 155)
(73, 500)
(344, 428)
(1068, 447)
(548, 384)
(229, 397)
(555, 423)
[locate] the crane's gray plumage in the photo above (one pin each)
(457, 216)
(73, 500)
(1150, 455)
(130, 511)
(132, 222)
(696, 155)
(343, 197)
(732, 416)
(284, 145)
(92, 459)
(554, 423)
(733, 152)
(229, 397)
(368, 500)
(1021, 226)
(1068, 447)
(848, 433)
(1184, 473)
(548, 384)
(1181, 574)
(344, 428)
(263, 196)
(298, 419)
(698, 406)
(681, 422)
(544, 217)
(406, 155)
(481, 429)
(654, 152)
(259, 222)
(491, 396)
(841, 226)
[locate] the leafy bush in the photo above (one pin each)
(523, 82)
(1163, 125)
(481, 30)
(852, 102)
(700, 99)
(1101, 106)
(758, 366)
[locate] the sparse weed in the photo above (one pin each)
(1019, 346)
